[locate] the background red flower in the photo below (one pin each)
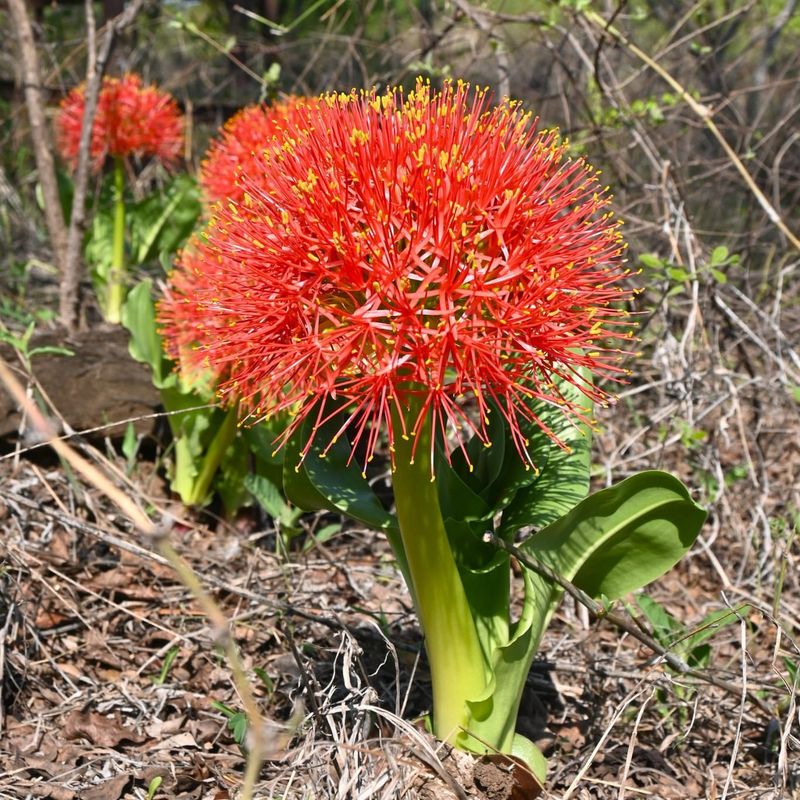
(388, 245)
(182, 313)
(244, 138)
(131, 119)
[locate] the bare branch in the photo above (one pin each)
(69, 301)
(705, 114)
(42, 146)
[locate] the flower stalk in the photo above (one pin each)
(223, 439)
(116, 276)
(451, 641)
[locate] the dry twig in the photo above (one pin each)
(42, 146)
(69, 299)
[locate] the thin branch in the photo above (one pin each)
(69, 299)
(705, 114)
(501, 54)
(42, 147)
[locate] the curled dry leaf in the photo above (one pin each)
(98, 729)
(111, 789)
(52, 791)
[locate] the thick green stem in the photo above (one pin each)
(222, 440)
(116, 276)
(454, 652)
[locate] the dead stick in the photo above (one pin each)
(69, 295)
(42, 147)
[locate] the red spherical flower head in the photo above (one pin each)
(244, 138)
(423, 247)
(131, 119)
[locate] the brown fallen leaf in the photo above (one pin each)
(71, 669)
(147, 774)
(123, 581)
(179, 740)
(109, 675)
(98, 729)
(205, 730)
(46, 619)
(166, 727)
(95, 646)
(51, 791)
(36, 764)
(48, 761)
(60, 548)
(50, 758)
(107, 790)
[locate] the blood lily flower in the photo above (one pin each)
(131, 120)
(420, 269)
(426, 246)
(244, 138)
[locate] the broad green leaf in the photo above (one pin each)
(99, 245)
(718, 275)
(499, 471)
(611, 543)
(185, 466)
(230, 476)
(494, 715)
(678, 274)
(338, 478)
(624, 537)
(563, 478)
(193, 429)
(652, 261)
(51, 350)
(501, 479)
(138, 316)
(527, 752)
(479, 465)
(296, 483)
(711, 625)
(665, 626)
(272, 500)
(153, 787)
(261, 441)
(190, 432)
(130, 443)
(496, 475)
(719, 255)
(161, 223)
(324, 534)
(458, 500)
(333, 481)
(486, 576)
(685, 643)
